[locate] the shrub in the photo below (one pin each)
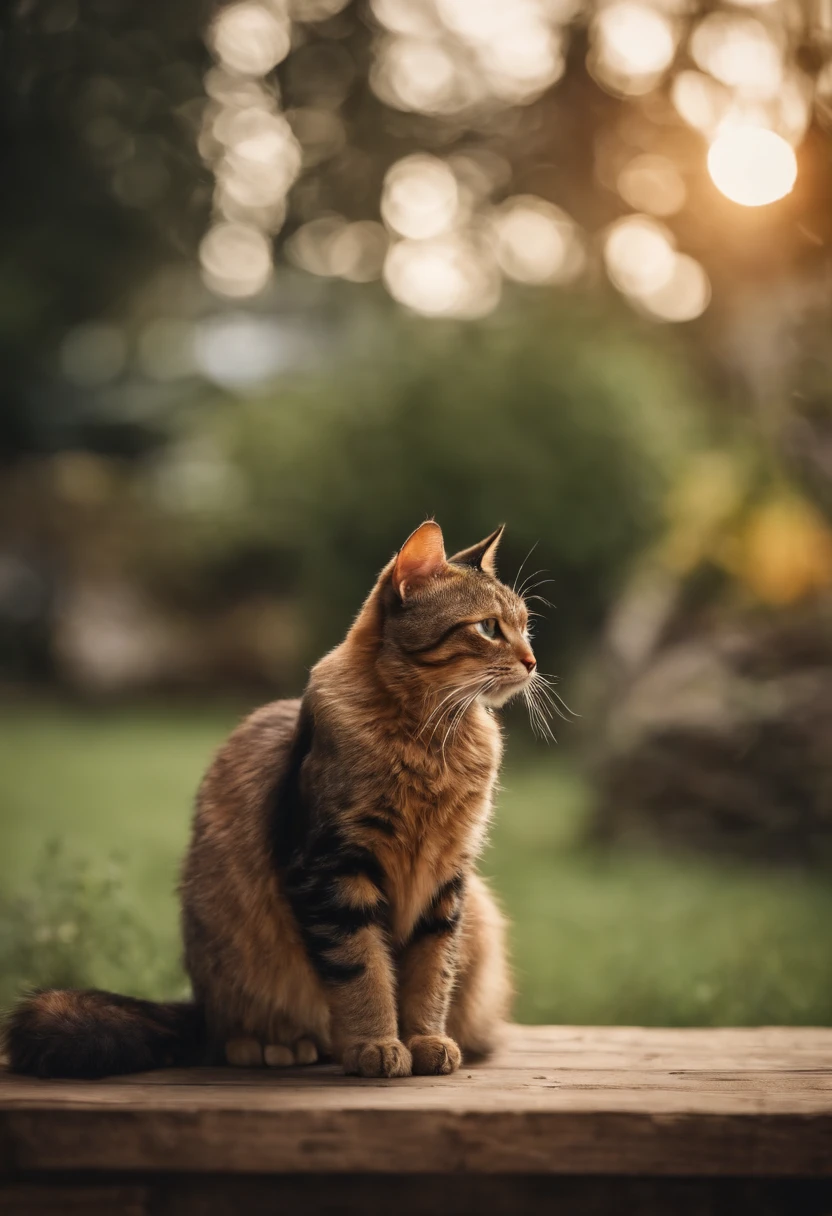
(73, 926)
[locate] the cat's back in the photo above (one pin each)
(234, 796)
(233, 916)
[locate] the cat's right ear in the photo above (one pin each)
(421, 557)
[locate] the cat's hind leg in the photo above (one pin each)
(287, 1043)
(286, 1055)
(243, 1053)
(482, 994)
(275, 1040)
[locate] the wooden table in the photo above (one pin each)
(574, 1118)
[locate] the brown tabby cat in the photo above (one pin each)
(330, 901)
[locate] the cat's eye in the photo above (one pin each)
(489, 628)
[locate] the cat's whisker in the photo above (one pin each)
(543, 694)
(468, 701)
(539, 720)
(455, 690)
(454, 700)
(537, 723)
(463, 709)
(541, 582)
(528, 580)
(458, 707)
(567, 710)
(444, 717)
(557, 703)
(522, 564)
(455, 687)
(560, 706)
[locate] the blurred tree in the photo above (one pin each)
(515, 418)
(103, 181)
(125, 150)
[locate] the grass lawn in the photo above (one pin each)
(604, 938)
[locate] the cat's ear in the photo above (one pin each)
(421, 557)
(482, 556)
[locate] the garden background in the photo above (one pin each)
(281, 278)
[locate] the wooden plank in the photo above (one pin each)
(556, 1100)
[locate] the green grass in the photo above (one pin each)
(617, 937)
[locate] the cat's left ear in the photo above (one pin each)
(482, 556)
(421, 557)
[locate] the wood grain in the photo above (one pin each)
(555, 1101)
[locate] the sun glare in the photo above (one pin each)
(752, 166)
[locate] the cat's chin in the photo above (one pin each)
(495, 697)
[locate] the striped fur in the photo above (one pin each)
(330, 902)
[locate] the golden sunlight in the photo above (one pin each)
(752, 166)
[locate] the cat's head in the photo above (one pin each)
(449, 627)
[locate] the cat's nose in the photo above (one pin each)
(529, 661)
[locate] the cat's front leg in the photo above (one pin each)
(427, 972)
(341, 910)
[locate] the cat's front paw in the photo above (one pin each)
(434, 1055)
(379, 1058)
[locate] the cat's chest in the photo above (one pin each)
(438, 835)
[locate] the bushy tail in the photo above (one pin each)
(72, 1033)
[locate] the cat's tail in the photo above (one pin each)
(73, 1033)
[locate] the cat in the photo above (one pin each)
(330, 903)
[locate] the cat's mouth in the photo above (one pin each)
(495, 697)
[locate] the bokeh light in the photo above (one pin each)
(358, 250)
(517, 48)
(315, 10)
(450, 276)
(642, 262)
(443, 245)
(250, 38)
(250, 146)
(652, 184)
(420, 197)
(405, 16)
(639, 255)
(485, 22)
(752, 166)
(239, 349)
(453, 55)
(683, 296)
(330, 246)
(260, 163)
(633, 45)
(536, 242)
(740, 51)
(524, 62)
(700, 100)
(422, 75)
(236, 260)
